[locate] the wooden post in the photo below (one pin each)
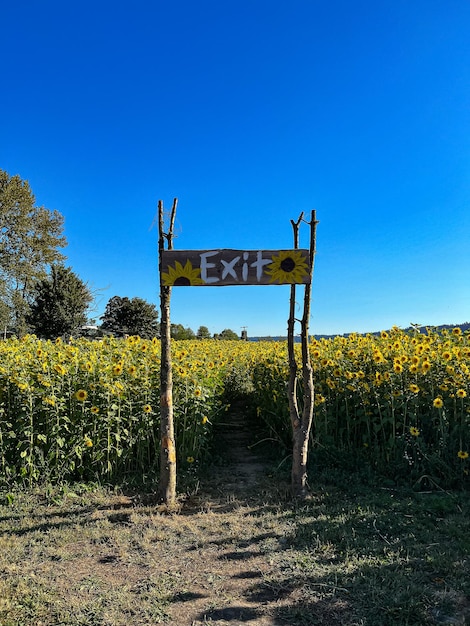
(292, 385)
(167, 484)
(301, 423)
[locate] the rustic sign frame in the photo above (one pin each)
(222, 267)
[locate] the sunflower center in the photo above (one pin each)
(182, 281)
(288, 264)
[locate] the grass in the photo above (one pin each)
(355, 554)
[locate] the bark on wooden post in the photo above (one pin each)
(301, 421)
(167, 484)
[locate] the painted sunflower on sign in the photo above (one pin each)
(288, 266)
(182, 276)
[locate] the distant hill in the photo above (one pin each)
(421, 329)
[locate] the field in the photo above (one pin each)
(383, 540)
(397, 404)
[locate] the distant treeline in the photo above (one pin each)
(414, 328)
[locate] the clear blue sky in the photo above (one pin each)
(251, 111)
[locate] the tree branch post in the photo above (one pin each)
(167, 483)
(292, 384)
(301, 423)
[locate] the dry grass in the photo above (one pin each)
(352, 555)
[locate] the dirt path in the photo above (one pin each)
(244, 467)
(235, 566)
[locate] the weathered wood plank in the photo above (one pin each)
(217, 268)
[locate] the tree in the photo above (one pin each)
(29, 240)
(178, 331)
(203, 333)
(124, 316)
(227, 334)
(60, 304)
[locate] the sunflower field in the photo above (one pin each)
(90, 409)
(397, 403)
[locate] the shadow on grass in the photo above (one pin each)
(23, 524)
(238, 614)
(363, 555)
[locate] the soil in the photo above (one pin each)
(245, 463)
(233, 584)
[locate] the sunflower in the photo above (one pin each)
(95, 410)
(462, 454)
(414, 388)
(182, 276)
(147, 408)
(414, 431)
(81, 395)
(182, 372)
(438, 403)
(461, 393)
(288, 266)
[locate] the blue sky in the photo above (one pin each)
(251, 112)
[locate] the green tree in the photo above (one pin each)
(124, 316)
(203, 333)
(178, 331)
(30, 237)
(60, 304)
(227, 333)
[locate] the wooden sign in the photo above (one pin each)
(216, 268)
